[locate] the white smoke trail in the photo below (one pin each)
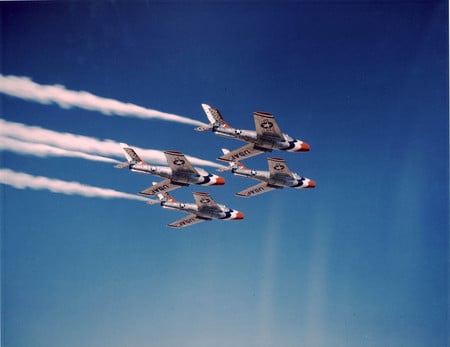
(21, 180)
(25, 88)
(43, 150)
(79, 143)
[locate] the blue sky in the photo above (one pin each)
(361, 260)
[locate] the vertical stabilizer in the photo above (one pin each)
(214, 116)
(164, 196)
(235, 164)
(131, 155)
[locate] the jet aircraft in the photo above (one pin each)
(266, 137)
(204, 209)
(179, 173)
(277, 177)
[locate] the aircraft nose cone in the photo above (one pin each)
(220, 181)
(239, 215)
(305, 147)
(311, 184)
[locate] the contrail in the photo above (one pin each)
(21, 180)
(43, 150)
(25, 88)
(79, 143)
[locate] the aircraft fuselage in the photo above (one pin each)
(277, 181)
(183, 177)
(206, 213)
(264, 143)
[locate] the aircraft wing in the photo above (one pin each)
(178, 162)
(186, 221)
(247, 151)
(260, 188)
(161, 187)
(204, 200)
(265, 125)
(278, 167)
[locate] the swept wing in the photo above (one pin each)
(161, 187)
(278, 167)
(186, 221)
(266, 127)
(257, 189)
(179, 164)
(205, 201)
(247, 151)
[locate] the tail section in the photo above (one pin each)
(236, 164)
(131, 155)
(163, 197)
(214, 116)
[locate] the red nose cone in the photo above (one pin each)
(311, 184)
(220, 181)
(239, 215)
(305, 147)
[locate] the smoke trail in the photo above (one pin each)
(22, 181)
(79, 143)
(25, 88)
(43, 150)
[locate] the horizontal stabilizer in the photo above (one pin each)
(224, 169)
(153, 202)
(204, 128)
(122, 165)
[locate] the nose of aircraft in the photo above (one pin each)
(305, 147)
(220, 181)
(239, 215)
(311, 184)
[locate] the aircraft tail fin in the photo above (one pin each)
(233, 165)
(131, 155)
(214, 116)
(164, 196)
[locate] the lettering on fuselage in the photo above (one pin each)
(241, 154)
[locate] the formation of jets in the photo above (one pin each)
(180, 171)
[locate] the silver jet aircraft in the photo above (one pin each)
(179, 173)
(266, 137)
(278, 176)
(204, 209)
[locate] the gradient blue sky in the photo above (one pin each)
(361, 260)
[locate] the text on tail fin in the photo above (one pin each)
(130, 154)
